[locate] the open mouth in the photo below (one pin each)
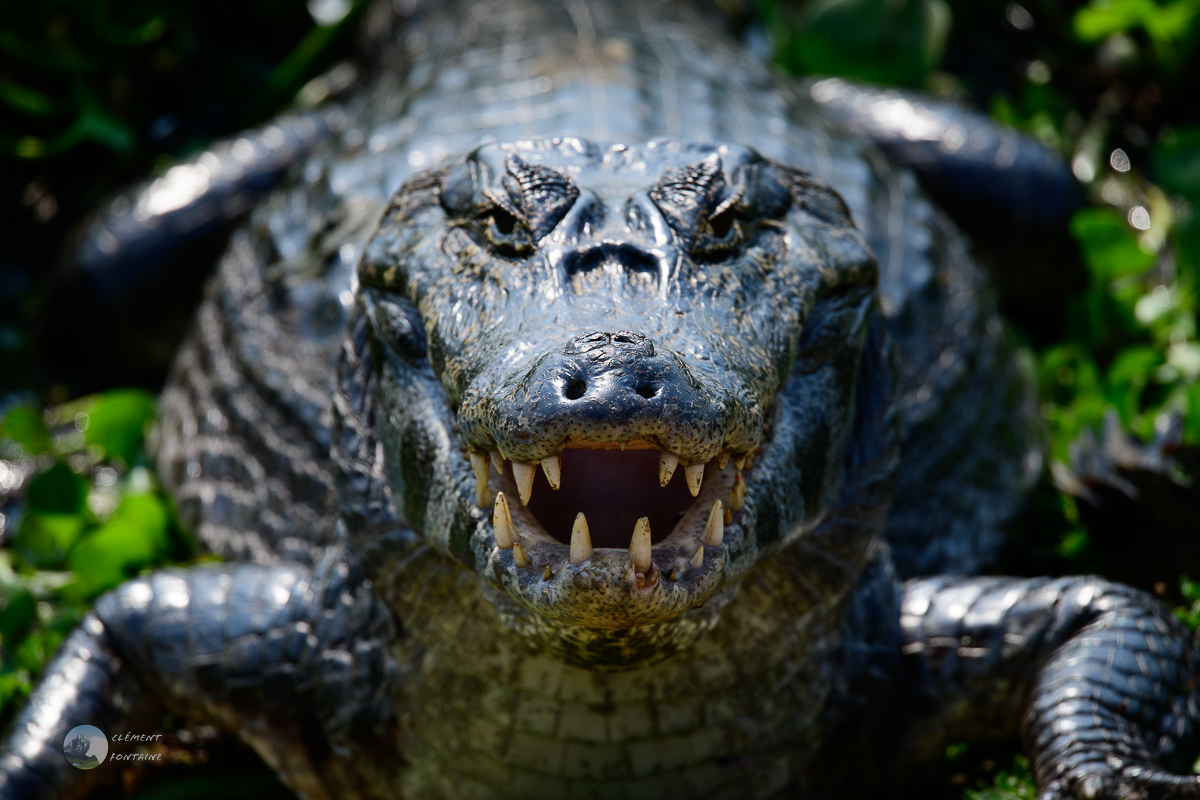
(595, 505)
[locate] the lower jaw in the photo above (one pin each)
(606, 648)
(604, 591)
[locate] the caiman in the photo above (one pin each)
(594, 415)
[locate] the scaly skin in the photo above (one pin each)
(536, 293)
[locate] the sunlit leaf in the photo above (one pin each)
(44, 538)
(134, 537)
(1168, 21)
(1109, 246)
(117, 422)
(1132, 365)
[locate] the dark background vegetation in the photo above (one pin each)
(95, 94)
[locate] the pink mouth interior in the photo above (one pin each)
(613, 490)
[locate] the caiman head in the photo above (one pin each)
(580, 353)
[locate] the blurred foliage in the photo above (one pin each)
(873, 40)
(81, 514)
(95, 94)
(1014, 784)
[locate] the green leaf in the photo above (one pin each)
(1133, 365)
(117, 423)
(44, 538)
(1177, 163)
(875, 40)
(24, 425)
(136, 536)
(1109, 246)
(14, 686)
(17, 609)
(57, 490)
(1100, 19)
(36, 649)
(1017, 784)
(26, 100)
(1164, 23)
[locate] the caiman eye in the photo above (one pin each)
(719, 236)
(504, 221)
(722, 223)
(505, 233)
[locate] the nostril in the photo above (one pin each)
(575, 389)
(647, 391)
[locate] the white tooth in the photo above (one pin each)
(698, 559)
(740, 463)
(722, 459)
(667, 462)
(479, 465)
(502, 524)
(520, 558)
(498, 463)
(548, 574)
(737, 495)
(714, 531)
(552, 466)
(524, 473)
(695, 475)
(581, 540)
(639, 546)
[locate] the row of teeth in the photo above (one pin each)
(640, 549)
(552, 467)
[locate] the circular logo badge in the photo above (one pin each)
(85, 747)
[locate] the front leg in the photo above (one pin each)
(1102, 678)
(86, 682)
(295, 663)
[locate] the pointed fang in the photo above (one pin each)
(524, 474)
(497, 463)
(728, 517)
(502, 524)
(667, 462)
(639, 547)
(552, 466)
(740, 463)
(695, 476)
(581, 540)
(479, 465)
(520, 558)
(737, 495)
(698, 559)
(722, 459)
(714, 531)
(548, 574)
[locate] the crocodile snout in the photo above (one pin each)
(612, 381)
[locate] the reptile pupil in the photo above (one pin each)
(722, 223)
(504, 221)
